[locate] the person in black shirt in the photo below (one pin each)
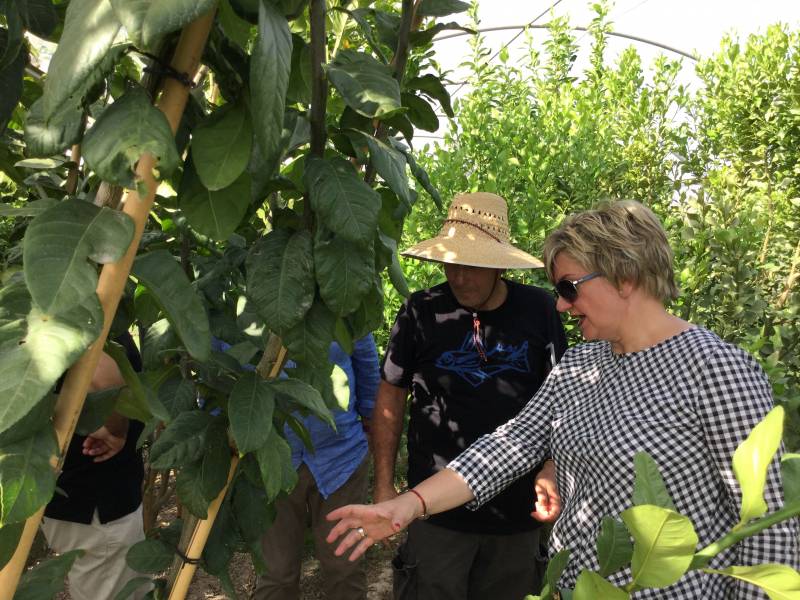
(471, 352)
(98, 503)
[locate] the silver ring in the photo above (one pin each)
(361, 532)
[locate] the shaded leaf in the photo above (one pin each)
(441, 8)
(252, 511)
(177, 395)
(96, 409)
(275, 463)
(190, 491)
(649, 487)
(27, 480)
(270, 67)
(9, 538)
(432, 86)
(614, 547)
(46, 579)
(221, 146)
(780, 582)
(366, 85)
(344, 273)
(250, 408)
(555, 567)
(215, 214)
(391, 166)
(131, 586)
(344, 202)
(303, 397)
(148, 20)
(751, 461)
(149, 556)
(420, 112)
(182, 442)
(45, 137)
(308, 341)
(425, 36)
(127, 129)
(790, 473)
(664, 543)
(38, 16)
(32, 422)
(58, 245)
(166, 280)
(280, 278)
(11, 75)
(216, 462)
(29, 209)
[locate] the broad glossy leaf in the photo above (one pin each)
(391, 165)
(89, 47)
(441, 8)
(46, 579)
(303, 397)
(9, 538)
(177, 395)
(790, 473)
(280, 278)
(345, 273)
(35, 349)
(221, 146)
(649, 487)
(780, 582)
(420, 112)
(58, 246)
(664, 543)
(555, 567)
(215, 214)
(190, 491)
(149, 556)
(250, 408)
(270, 65)
(32, 422)
(182, 442)
(751, 460)
(163, 276)
(418, 172)
(432, 86)
(27, 481)
(11, 80)
(591, 586)
(346, 205)
(366, 85)
(147, 20)
(127, 129)
(216, 462)
(275, 463)
(614, 547)
(309, 340)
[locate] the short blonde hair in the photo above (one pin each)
(623, 240)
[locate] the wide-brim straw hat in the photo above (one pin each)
(475, 233)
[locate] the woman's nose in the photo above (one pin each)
(562, 305)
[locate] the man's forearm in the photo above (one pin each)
(386, 428)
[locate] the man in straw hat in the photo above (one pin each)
(470, 352)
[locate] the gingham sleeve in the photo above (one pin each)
(496, 460)
(734, 397)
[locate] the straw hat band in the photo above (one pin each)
(481, 228)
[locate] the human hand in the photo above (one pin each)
(548, 501)
(361, 525)
(102, 444)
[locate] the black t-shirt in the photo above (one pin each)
(114, 486)
(457, 396)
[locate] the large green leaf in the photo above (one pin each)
(11, 80)
(96, 409)
(190, 490)
(418, 172)
(163, 276)
(591, 586)
(147, 20)
(270, 66)
(9, 538)
(366, 85)
(216, 462)
(127, 129)
(275, 463)
(215, 214)
(391, 165)
(27, 480)
(420, 112)
(250, 408)
(302, 396)
(45, 137)
(369, 316)
(308, 341)
(441, 8)
(664, 543)
(89, 47)
(252, 511)
(280, 278)
(614, 547)
(149, 556)
(649, 487)
(433, 87)
(790, 473)
(345, 204)
(751, 461)
(221, 146)
(36, 348)
(177, 395)
(345, 272)
(28, 425)
(555, 567)
(57, 245)
(182, 442)
(38, 16)
(46, 579)
(780, 582)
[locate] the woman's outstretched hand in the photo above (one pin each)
(361, 525)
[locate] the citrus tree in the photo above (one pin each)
(248, 228)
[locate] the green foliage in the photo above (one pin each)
(46, 579)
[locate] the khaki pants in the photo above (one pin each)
(283, 542)
(102, 571)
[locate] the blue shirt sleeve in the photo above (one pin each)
(367, 374)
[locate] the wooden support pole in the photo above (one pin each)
(112, 280)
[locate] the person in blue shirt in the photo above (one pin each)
(334, 474)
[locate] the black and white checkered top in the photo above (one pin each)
(688, 401)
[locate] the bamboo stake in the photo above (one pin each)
(112, 282)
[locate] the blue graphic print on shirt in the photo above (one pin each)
(467, 363)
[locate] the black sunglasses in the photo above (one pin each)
(568, 290)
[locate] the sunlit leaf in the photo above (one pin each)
(221, 146)
(780, 582)
(366, 85)
(649, 487)
(614, 547)
(591, 586)
(147, 20)
(790, 473)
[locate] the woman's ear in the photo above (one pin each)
(626, 288)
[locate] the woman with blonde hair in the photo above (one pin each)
(645, 381)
